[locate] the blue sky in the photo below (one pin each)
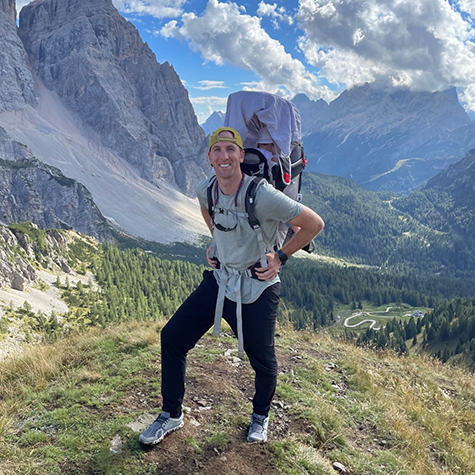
(318, 47)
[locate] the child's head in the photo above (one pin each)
(264, 140)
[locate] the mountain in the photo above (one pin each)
(110, 117)
(311, 112)
(424, 233)
(386, 139)
(18, 88)
(96, 62)
(213, 122)
(446, 204)
(33, 191)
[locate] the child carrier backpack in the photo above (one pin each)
(248, 112)
(256, 164)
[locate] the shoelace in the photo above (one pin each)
(258, 423)
(161, 420)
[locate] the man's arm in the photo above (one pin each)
(310, 224)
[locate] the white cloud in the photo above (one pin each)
(468, 6)
(155, 8)
(209, 101)
(206, 85)
(276, 13)
(222, 33)
(423, 44)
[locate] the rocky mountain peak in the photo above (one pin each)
(18, 88)
(385, 137)
(97, 63)
(213, 122)
(9, 7)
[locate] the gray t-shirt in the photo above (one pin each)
(238, 248)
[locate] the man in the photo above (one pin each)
(246, 294)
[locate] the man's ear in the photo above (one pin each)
(209, 159)
(242, 155)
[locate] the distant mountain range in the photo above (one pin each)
(430, 231)
(385, 139)
(87, 104)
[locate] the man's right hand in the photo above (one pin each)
(212, 261)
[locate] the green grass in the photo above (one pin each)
(374, 412)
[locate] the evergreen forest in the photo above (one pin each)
(408, 235)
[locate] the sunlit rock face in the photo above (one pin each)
(97, 63)
(16, 81)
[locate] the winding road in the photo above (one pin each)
(372, 314)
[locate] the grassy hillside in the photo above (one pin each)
(96, 385)
(63, 407)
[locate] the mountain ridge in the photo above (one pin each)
(33, 191)
(385, 140)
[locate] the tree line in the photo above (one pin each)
(313, 289)
(447, 331)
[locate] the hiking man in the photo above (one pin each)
(246, 294)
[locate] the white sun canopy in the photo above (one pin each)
(249, 111)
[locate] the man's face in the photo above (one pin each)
(267, 146)
(226, 157)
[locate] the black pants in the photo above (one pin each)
(196, 316)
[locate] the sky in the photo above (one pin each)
(315, 47)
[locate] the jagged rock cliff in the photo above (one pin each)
(33, 191)
(16, 272)
(9, 7)
(96, 62)
(16, 81)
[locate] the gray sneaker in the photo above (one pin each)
(258, 430)
(160, 427)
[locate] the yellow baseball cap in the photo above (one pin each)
(215, 138)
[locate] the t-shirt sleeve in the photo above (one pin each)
(272, 204)
(202, 193)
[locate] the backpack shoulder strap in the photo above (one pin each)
(251, 215)
(209, 192)
(250, 201)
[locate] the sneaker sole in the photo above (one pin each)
(256, 440)
(155, 442)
